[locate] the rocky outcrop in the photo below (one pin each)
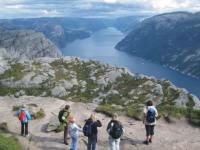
(108, 88)
(170, 39)
(26, 43)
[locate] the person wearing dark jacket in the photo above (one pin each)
(92, 139)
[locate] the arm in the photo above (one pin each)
(98, 123)
(144, 115)
(28, 115)
(78, 128)
(17, 113)
(109, 125)
(156, 113)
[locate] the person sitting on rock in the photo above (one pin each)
(24, 117)
(63, 117)
(115, 131)
(90, 130)
(150, 114)
(74, 133)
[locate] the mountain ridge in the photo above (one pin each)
(170, 39)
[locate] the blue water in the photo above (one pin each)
(100, 46)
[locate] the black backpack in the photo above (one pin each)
(116, 130)
(60, 116)
(87, 128)
(151, 115)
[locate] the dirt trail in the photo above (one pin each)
(176, 136)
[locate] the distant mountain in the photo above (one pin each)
(127, 24)
(26, 43)
(172, 39)
(62, 31)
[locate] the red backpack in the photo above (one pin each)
(22, 116)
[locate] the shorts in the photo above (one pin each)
(149, 130)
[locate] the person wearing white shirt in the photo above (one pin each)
(150, 114)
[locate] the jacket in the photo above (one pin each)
(95, 125)
(28, 116)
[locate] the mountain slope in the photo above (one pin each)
(171, 39)
(26, 43)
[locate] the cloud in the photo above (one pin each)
(93, 8)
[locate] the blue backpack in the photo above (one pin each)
(87, 128)
(151, 115)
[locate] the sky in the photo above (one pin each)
(92, 8)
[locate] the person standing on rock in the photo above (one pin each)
(24, 117)
(63, 117)
(150, 114)
(115, 131)
(74, 133)
(90, 130)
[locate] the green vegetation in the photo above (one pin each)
(107, 109)
(190, 103)
(3, 127)
(194, 117)
(133, 112)
(38, 115)
(15, 71)
(16, 107)
(7, 90)
(9, 143)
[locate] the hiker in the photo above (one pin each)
(150, 114)
(90, 130)
(115, 131)
(24, 117)
(63, 117)
(74, 133)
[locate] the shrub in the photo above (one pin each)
(106, 109)
(38, 115)
(16, 107)
(4, 127)
(134, 112)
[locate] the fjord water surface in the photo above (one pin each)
(100, 46)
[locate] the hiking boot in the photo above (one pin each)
(27, 135)
(146, 142)
(150, 141)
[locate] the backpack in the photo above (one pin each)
(87, 128)
(22, 116)
(116, 130)
(151, 115)
(60, 115)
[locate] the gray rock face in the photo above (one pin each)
(27, 43)
(59, 91)
(53, 124)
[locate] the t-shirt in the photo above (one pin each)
(74, 130)
(145, 115)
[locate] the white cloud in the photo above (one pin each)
(30, 8)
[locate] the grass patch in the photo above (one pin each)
(133, 112)
(7, 91)
(15, 71)
(9, 143)
(106, 109)
(38, 115)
